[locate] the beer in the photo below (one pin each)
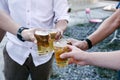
(53, 33)
(60, 48)
(42, 37)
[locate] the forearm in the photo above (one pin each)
(106, 28)
(7, 24)
(104, 59)
(61, 25)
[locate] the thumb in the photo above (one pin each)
(66, 55)
(32, 38)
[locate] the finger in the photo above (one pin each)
(71, 41)
(58, 35)
(70, 61)
(66, 55)
(34, 40)
(73, 61)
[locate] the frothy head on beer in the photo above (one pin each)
(59, 44)
(53, 33)
(42, 33)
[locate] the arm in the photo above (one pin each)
(61, 25)
(104, 59)
(61, 15)
(104, 30)
(7, 24)
(101, 59)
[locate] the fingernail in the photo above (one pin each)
(61, 56)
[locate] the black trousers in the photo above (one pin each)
(15, 71)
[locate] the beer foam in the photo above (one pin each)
(41, 33)
(59, 44)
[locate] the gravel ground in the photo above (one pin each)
(76, 72)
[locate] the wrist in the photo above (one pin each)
(19, 33)
(85, 45)
(86, 58)
(60, 30)
(89, 43)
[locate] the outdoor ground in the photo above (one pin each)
(76, 72)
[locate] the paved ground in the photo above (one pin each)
(77, 5)
(77, 16)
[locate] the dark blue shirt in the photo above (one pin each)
(118, 6)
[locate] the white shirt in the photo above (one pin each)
(32, 13)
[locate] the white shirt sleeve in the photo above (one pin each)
(4, 6)
(61, 10)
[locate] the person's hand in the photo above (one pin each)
(59, 34)
(80, 44)
(28, 34)
(76, 56)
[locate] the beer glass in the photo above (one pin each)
(52, 33)
(59, 48)
(42, 37)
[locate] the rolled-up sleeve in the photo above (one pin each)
(4, 6)
(61, 10)
(118, 6)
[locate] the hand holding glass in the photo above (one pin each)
(45, 39)
(59, 48)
